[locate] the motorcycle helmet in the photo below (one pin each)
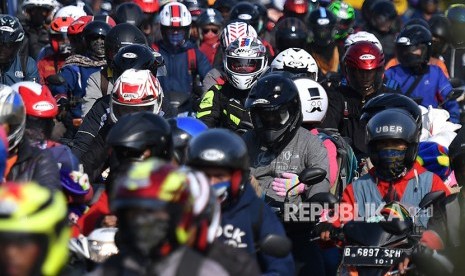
(392, 124)
(314, 100)
(94, 34)
(38, 12)
(417, 21)
(135, 90)
(101, 244)
(195, 7)
(363, 65)
(235, 30)
(439, 26)
(275, 110)
(175, 22)
(119, 36)
(136, 132)
(221, 148)
(457, 156)
(345, 15)
(383, 15)
(262, 17)
(70, 11)
(209, 17)
(295, 8)
(456, 15)
(183, 130)
(11, 38)
(413, 39)
(33, 213)
(429, 6)
(224, 7)
(13, 113)
(140, 57)
(296, 61)
(75, 33)
(245, 12)
(129, 12)
(58, 34)
(153, 185)
(244, 61)
(148, 6)
(362, 36)
(290, 32)
(322, 23)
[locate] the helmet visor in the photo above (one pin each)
(121, 110)
(412, 55)
(244, 66)
(270, 118)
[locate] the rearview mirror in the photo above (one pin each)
(276, 246)
(312, 176)
(431, 198)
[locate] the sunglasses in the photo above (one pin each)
(213, 30)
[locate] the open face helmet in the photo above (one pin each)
(94, 34)
(11, 38)
(59, 35)
(244, 61)
(175, 22)
(296, 61)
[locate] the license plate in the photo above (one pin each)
(371, 256)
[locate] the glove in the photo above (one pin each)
(287, 181)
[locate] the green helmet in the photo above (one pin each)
(345, 14)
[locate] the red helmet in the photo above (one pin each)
(37, 98)
(296, 7)
(148, 6)
(58, 34)
(78, 25)
(364, 67)
(105, 18)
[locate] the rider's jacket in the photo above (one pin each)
(14, 72)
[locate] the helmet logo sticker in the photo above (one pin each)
(42, 106)
(403, 40)
(212, 155)
(19, 74)
(244, 16)
(367, 57)
(387, 129)
(7, 29)
(129, 55)
(322, 21)
(260, 101)
(315, 100)
(175, 19)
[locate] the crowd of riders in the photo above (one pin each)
(164, 137)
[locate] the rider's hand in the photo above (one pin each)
(109, 221)
(403, 265)
(324, 230)
(287, 181)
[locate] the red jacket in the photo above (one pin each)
(88, 222)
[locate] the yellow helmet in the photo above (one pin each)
(30, 209)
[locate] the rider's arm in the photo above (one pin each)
(209, 109)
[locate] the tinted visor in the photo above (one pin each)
(242, 65)
(121, 110)
(270, 118)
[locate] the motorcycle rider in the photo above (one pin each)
(228, 171)
(155, 225)
(290, 32)
(209, 24)
(14, 67)
(417, 79)
(279, 149)
(183, 130)
(223, 105)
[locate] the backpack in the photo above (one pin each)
(346, 160)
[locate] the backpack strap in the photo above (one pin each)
(191, 262)
(414, 85)
(192, 60)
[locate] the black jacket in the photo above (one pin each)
(36, 165)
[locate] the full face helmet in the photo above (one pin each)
(275, 109)
(413, 47)
(345, 15)
(235, 30)
(383, 15)
(245, 12)
(11, 38)
(244, 61)
(456, 15)
(296, 61)
(440, 27)
(291, 32)
(322, 23)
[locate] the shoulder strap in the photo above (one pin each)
(414, 85)
(190, 263)
(192, 60)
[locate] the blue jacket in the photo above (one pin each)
(433, 88)
(76, 82)
(241, 222)
(178, 77)
(15, 73)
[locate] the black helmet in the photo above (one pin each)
(221, 148)
(457, 156)
(210, 16)
(195, 7)
(439, 26)
(382, 16)
(391, 100)
(322, 23)
(94, 34)
(11, 37)
(291, 32)
(275, 110)
(224, 6)
(121, 35)
(456, 16)
(262, 17)
(245, 12)
(366, 9)
(416, 21)
(183, 130)
(429, 6)
(410, 39)
(136, 56)
(394, 123)
(136, 132)
(129, 12)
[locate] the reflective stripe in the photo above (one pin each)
(235, 119)
(203, 113)
(207, 100)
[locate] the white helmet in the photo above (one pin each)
(175, 15)
(13, 113)
(362, 36)
(314, 100)
(296, 61)
(234, 30)
(135, 88)
(70, 11)
(48, 4)
(244, 61)
(102, 244)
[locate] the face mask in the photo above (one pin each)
(176, 39)
(389, 163)
(222, 190)
(210, 38)
(97, 48)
